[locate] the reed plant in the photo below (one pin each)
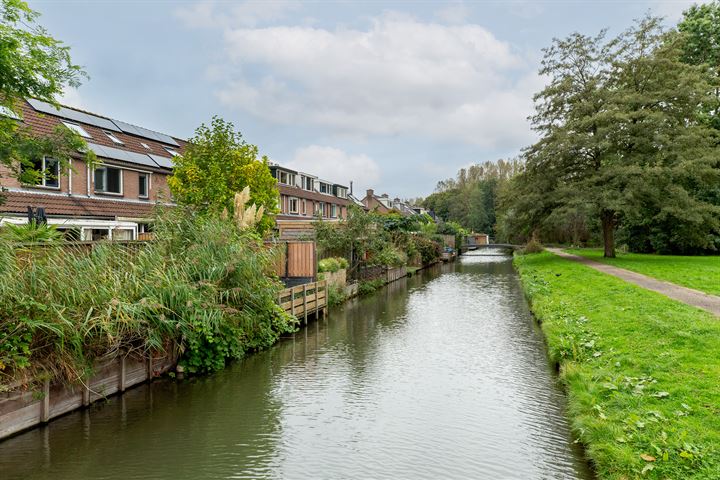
(203, 287)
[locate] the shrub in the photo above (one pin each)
(328, 265)
(532, 246)
(369, 286)
(31, 232)
(429, 250)
(336, 295)
(390, 256)
(201, 285)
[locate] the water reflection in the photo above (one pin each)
(442, 375)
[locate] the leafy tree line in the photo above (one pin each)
(470, 199)
(628, 145)
(625, 142)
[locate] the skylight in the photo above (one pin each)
(171, 151)
(145, 145)
(77, 129)
(7, 112)
(112, 137)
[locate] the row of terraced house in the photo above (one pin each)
(116, 198)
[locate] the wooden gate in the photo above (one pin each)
(296, 260)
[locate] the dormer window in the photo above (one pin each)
(112, 137)
(77, 129)
(285, 178)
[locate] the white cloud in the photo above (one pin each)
(208, 14)
(399, 76)
(71, 98)
(456, 12)
(335, 165)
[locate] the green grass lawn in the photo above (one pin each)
(642, 372)
(700, 273)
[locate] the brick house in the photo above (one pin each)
(384, 204)
(304, 198)
(116, 198)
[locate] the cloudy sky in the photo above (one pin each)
(394, 95)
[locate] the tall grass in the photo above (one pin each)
(204, 286)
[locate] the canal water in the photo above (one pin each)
(443, 375)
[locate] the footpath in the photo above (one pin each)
(711, 303)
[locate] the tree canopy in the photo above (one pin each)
(622, 139)
(32, 65)
(218, 163)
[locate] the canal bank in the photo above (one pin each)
(442, 375)
(640, 370)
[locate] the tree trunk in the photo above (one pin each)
(608, 227)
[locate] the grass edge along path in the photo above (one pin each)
(641, 371)
(700, 273)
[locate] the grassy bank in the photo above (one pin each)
(701, 273)
(642, 372)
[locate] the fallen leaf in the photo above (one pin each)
(647, 458)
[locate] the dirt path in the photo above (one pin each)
(711, 303)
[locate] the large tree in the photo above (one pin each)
(32, 65)
(217, 164)
(620, 134)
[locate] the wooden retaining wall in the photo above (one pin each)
(24, 409)
(304, 300)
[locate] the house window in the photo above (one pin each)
(293, 205)
(304, 209)
(324, 188)
(112, 137)
(143, 185)
(77, 129)
(340, 192)
(285, 178)
(320, 209)
(307, 183)
(333, 210)
(108, 180)
(49, 170)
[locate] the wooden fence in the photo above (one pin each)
(297, 260)
(304, 300)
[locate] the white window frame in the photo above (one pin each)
(147, 185)
(324, 185)
(290, 205)
(320, 208)
(333, 210)
(77, 129)
(105, 192)
(112, 137)
(43, 179)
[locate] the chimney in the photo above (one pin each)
(397, 200)
(351, 191)
(370, 192)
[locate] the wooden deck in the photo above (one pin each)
(305, 300)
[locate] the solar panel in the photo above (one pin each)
(74, 115)
(122, 155)
(163, 162)
(146, 133)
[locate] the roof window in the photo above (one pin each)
(171, 151)
(112, 137)
(77, 129)
(8, 112)
(145, 145)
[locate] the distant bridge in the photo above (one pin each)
(489, 246)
